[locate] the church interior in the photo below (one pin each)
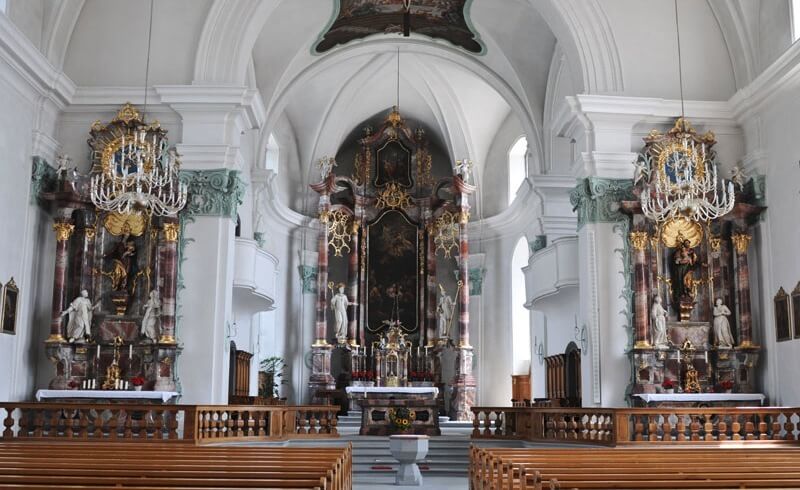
(342, 244)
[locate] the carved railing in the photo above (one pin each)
(691, 425)
(96, 421)
(636, 426)
(200, 424)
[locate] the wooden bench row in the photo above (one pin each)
(176, 465)
(639, 468)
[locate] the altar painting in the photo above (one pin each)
(391, 272)
(393, 162)
(356, 19)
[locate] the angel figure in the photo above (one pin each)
(63, 162)
(641, 171)
(464, 169)
(325, 165)
(739, 177)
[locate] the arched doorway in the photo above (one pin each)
(573, 374)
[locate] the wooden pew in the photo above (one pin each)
(182, 466)
(657, 468)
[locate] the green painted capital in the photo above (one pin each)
(596, 200)
(476, 276)
(217, 192)
(43, 178)
(308, 274)
(538, 243)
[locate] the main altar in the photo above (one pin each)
(392, 235)
(692, 326)
(112, 325)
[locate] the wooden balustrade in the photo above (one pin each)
(632, 426)
(198, 424)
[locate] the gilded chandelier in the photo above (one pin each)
(686, 186)
(139, 175)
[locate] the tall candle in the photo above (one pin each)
(98, 351)
(130, 351)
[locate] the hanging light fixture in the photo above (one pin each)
(684, 182)
(138, 172)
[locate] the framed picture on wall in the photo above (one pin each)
(796, 310)
(8, 320)
(783, 330)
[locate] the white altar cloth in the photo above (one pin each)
(164, 396)
(415, 390)
(702, 397)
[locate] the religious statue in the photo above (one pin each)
(80, 317)
(152, 314)
(63, 162)
(722, 327)
(339, 304)
(444, 310)
(641, 172)
(658, 316)
(464, 169)
(123, 271)
(684, 262)
(739, 177)
(326, 165)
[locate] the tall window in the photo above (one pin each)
(516, 167)
(3, 6)
(520, 316)
(273, 154)
(794, 5)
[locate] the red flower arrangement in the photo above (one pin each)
(137, 381)
(726, 385)
(668, 384)
(72, 384)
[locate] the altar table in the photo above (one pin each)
(701, 399)
(378, 401)
(111, 396)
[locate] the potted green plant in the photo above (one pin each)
(273, 369)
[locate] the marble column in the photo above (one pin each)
(464, 385)
(168, 267)
(430, 313)
(85, 220)
(741, 242)
(63, 228)
(352, 284)
(639, 241)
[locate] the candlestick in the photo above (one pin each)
(98, 352)
(130, 351)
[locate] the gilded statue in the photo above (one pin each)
(123, 266)
(684, 262)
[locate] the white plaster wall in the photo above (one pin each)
(28, 16)
(495, 191)
(774, 31)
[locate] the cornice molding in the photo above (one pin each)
(41, 76)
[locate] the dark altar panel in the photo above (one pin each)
(392, 280)
(393, 165)
(444, 19)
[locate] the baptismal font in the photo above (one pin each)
(688, 251)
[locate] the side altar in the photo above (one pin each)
(391, 231)
(115, 281)
(692, 327)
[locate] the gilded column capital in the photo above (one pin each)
(324, 216)
(91, 233)
(63, 230)
(463, 217)
(171, 231)
(639, 240)
(741, 241)
(714, 243)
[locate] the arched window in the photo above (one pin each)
(520, 316)
(516, 167)
(3, 6)
(272, 160)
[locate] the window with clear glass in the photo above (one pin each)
(516, 167)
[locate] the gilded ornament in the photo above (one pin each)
(639, 240)
(463, 217)
(714, 243)
(393, 196)
(119, 224)
(90, 233)
(446, 235)
(424, 166)
(171, 231)
(127, 113)
(167, 339)
(686, 229)
(338, 231)
(741, 241)
(63, 230)
(324, 216)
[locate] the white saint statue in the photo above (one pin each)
(739, 177)
(339, 305)
(444, 311)
(152, 316)
(464, 169)
(80, 317)
(658, 316)
(326, 165)
(722, 327)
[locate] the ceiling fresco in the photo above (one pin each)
(440, 19)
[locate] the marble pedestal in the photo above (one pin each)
(408, 450)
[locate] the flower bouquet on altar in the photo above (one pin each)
(725, 386)
(401, 418)
(137, 382)
(668, 385)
